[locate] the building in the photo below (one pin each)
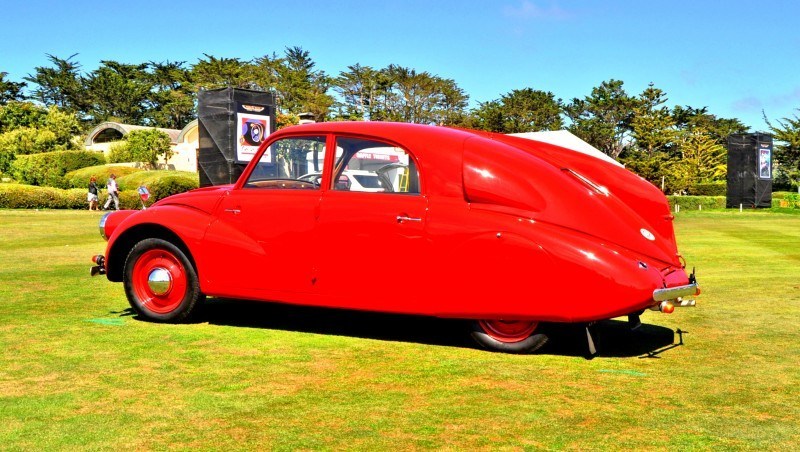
(184, 142)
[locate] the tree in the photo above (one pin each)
(213, 72)
(488, 116)
(397, 93)
(264, 72)
(149, 145)
(10, 91)
(652, 125)
(358, 88)
(170, 103)
(300, 87)
(521, 110)
(118, 92)
(14, 115)
(787, 152)
(687, 118)
(603, 118)
(60, 85)
(703, 158)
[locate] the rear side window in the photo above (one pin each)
(374, 166)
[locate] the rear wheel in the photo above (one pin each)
(510, 336)
(160, 282)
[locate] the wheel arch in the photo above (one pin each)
(123, 244)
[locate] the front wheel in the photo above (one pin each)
(509, 336)
(160, 282)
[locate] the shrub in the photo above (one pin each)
(148, 145)
(694, 202)
(22, 141)
(80, 178)
(120, 152)
(160, 183)
(708, 189)
(27, 140)
(49, 168)
(791, 200)
(171, 185)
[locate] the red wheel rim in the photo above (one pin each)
(159, 263)
(508, 330)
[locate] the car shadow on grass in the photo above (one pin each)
(613, 338)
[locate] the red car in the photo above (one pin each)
(501, 230)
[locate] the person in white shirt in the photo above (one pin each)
(113, 192)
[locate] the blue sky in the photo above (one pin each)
(735, 57)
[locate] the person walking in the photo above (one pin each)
(113, 192)
(92, 196)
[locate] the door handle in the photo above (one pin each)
(402, 218)
(233, 211)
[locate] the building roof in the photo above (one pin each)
(186, 129)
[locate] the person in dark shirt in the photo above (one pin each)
(92, 196)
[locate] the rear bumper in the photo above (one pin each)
(672, 293)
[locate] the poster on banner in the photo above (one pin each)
(252, 128)
(765, 161)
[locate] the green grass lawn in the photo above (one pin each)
(78, 371)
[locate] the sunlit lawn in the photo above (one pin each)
(77, 371)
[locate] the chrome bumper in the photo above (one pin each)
(671, 293)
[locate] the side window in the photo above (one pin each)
(290, 163)
(373, 166)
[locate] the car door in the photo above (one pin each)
(372, 241)
(264, 232)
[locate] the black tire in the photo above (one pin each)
(160, 282)
(528, 340)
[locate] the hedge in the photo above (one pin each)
(49, 168)
(708, 189)
(694, 202)
(18, 196)
(783, 194)
(160, 183)
(80, 178)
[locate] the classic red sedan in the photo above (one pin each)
(504, 231)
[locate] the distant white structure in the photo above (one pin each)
(566, 139)
(184, 142)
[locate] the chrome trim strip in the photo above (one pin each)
(401, 218)
(672, 293)
(103, 225)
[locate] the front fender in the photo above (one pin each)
(180, 224)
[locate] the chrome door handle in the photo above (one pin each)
(402, 218)
(233, 211)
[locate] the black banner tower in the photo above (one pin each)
(231, 125)
(749, 170)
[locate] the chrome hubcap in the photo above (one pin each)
(159, 280)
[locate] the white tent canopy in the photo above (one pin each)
(566, 139)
